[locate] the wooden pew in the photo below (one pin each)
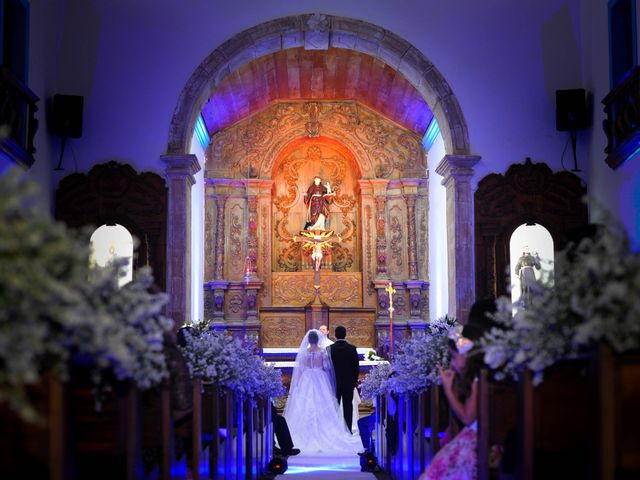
(105, 443)
(616, 436)
(555, 423)
(497, 417)
(36, 450)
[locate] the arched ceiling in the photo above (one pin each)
(332, 74)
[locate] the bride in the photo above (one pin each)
(316, 423)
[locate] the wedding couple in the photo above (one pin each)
(323, 375)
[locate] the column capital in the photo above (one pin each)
(181, 165)
(456, 166)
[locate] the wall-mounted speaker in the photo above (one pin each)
(571, 110)
(66, 116)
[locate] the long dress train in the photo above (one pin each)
(316, 423)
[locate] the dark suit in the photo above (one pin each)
(346, 364)
(281, 430)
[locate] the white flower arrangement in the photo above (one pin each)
(375, 382)
(55, 309)
(415, 364)
(594, 298)
(372, 356)
(230, 363)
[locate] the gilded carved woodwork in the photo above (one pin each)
(220, 204)
(411, 235)
(336, 289)
(294, 173)
(236, 231)
(252, 240)
(281, 329)
(526, 193)
(360, 326)
(115, 193)
(381, 239)
(264, 271)
(395, 245)
(272, 157)
(369, 250)
(383, 149)
(423, 238)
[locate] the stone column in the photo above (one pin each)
(179, 173)
(457, 171)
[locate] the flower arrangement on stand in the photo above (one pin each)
(231, 363)
(415, 364)
(56, 309)
(374, 383)
(593, 298)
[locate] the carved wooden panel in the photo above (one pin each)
(282, 329)
(115, 193)
(526, 193)
(397, 238)
(292, 176)
(422, 232)
(234, 252)
(336, 289)
(382, 148)
(264, 249)
(360, 326)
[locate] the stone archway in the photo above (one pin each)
(319, 32)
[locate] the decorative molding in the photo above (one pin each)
(360, 326)
(369, 250)
(281, 329)
(115, 193)
(383, 149)
(526, 193)
(336, 289)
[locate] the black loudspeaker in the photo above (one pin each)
(66, 116)
(571, 110)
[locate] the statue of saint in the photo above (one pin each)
(317, 199)
(524, 269)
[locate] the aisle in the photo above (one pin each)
(320, 468)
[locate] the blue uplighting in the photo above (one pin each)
(322, 464)
(201, 132)
(431, 134)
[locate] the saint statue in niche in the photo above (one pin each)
(317, 199)
(524, 269)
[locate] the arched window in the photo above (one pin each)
(531, 260)
(109, 242)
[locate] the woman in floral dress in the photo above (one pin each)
(458, 460)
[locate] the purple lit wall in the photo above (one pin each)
(502, 60)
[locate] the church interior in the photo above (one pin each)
(268, 168)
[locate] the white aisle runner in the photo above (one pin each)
(321, 468)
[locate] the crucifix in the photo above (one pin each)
(390, 290)
(317, 241)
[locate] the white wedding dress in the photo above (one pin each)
(316, 423)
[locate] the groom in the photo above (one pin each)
(347, 366)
